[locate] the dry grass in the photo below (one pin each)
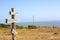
(41, 33)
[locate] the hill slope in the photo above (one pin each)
(41, 33)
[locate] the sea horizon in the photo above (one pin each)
(43, 23)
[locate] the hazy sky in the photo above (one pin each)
(42, 10)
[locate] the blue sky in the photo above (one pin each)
(42, 10)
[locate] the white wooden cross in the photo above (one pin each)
(13, 20)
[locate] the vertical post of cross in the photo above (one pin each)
(13, 25)
(13, 28)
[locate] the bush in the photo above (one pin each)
(32, 27)
(19, 27)
(4, 26)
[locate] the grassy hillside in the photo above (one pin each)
(40, 33)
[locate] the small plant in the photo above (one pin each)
(32, 27)
(55, 33)
(54, 26)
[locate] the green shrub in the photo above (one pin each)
(4, 26)
(19, 27)
(32, 27)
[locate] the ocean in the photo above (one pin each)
(49, 23)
